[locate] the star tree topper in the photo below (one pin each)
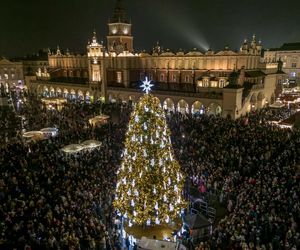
(147, 85)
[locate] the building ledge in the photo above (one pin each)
(207, 95)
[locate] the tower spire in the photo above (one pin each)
(94, 39)
(119, 14)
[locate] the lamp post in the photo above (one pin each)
(103, 78)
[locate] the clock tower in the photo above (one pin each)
(119, 37)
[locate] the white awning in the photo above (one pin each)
(151, 244)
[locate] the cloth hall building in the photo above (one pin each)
(229, 83)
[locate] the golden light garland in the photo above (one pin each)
(150, 184)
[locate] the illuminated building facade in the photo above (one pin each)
(224, 82)
(11, 74)
(289, 54)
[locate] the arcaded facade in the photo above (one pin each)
(225, 82)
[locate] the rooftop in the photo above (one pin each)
(254, 73)
(287, 46)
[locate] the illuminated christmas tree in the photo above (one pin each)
(150, 184)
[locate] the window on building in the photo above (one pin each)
(294, 65)
(187, 78)
(174, 78)
(162, 77)
(96, 76)
(200, 84)
(119, 77)
(12, 76)
(142, 76)
(222, 83)
(5, 76)
(214, 84)
(205, 83)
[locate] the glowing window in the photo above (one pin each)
(119, 77)
(96, 76)
(222, 83)
(205, 83)
(214, 84)
(114, 30)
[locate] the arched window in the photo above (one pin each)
(162, 77)
(174, 78)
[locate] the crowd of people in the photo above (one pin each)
(8, 124)
(51, 200)
(252, 167)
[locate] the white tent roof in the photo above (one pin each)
(31, 134)
(91, 144)
(49, 130)
(52, 131)
(277, 105)
(72, 148)
(151, 244)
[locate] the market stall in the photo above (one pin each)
(49, 132)
(34, 135)
(277, 105)
(99, 120)
(72, 148)
(90, 144)
(54, 102)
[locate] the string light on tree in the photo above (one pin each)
(149, 169)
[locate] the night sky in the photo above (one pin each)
(28, 25)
